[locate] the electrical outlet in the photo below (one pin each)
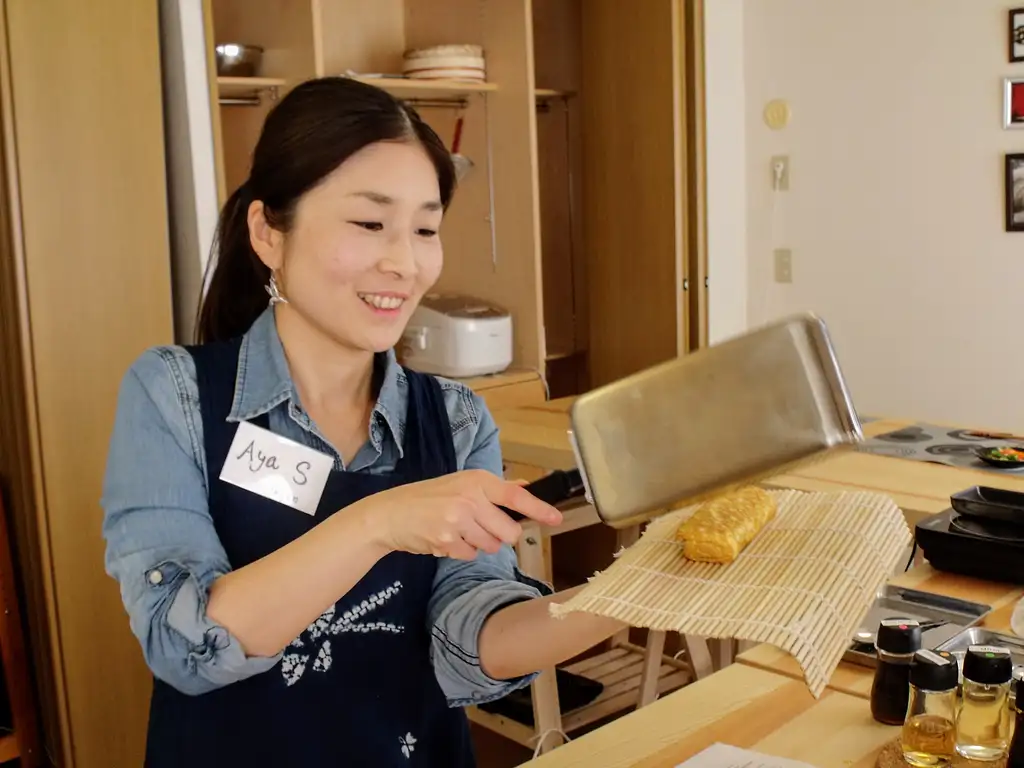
(783, 265)
(780, 173)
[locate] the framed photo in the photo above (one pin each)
(1014, 192)
(1013, 102)
(1016, 34)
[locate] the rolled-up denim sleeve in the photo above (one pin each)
(161, 545)
(466, 593)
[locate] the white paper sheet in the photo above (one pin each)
(725, 756)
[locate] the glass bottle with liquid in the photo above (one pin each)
(982, 727)
(896, 642)
(929, 731)
(1011, 702)
(1015, 758)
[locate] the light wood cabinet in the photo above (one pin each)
(84, 289)
(580, 215)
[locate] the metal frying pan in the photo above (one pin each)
(728, 415)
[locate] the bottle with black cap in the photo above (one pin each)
(929, 732)
(896, 642)
(1015, 758)
(982, 727)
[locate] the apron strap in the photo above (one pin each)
(216, 366)
(428, 431)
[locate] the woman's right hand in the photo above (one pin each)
(451, 516)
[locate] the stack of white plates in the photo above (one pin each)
(446, 62)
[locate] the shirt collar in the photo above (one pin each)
(263, 381)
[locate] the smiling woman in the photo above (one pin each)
(307, 535)
(397, 172)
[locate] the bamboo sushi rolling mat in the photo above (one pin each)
(803, 584)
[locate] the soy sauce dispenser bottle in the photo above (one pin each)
(982, 728)
(1015, 759)
(929, 732)
(896, 642)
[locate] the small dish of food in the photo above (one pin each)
(1002, 456)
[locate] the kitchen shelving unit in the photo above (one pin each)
(586, 164)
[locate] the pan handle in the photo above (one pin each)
(561, 485)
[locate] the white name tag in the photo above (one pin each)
(277, 468)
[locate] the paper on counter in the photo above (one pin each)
(1017, 619)
(725, 756)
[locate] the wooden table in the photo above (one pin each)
(537, 435)
(763, 703)
(856, 680)
(742, 706)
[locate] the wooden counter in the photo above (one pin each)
(763, 703)
(856, 680)
(742, 706)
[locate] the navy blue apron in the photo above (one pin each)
(357, 687)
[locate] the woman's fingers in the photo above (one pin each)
(498, 524)
(480, 538)
(515, 497)
(458, 550)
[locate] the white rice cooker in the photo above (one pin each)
(457, 337)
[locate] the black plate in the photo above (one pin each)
(949, 549)
(988, 529)
(990, 503)
(985, 454)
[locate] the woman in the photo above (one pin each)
(336, 597)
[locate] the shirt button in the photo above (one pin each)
(155, 577)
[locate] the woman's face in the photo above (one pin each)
(363, 248)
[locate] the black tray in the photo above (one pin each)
(953, 550)
(993, 503)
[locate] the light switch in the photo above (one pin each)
(783, 265)
(780, 173)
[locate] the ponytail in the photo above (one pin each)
(316, 127)
(236, 293)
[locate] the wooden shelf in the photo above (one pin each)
(619, 669)
(9, 749)
(426, 89)
(234, 87)
(510, 389)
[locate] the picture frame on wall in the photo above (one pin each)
(1016, 34)
(1013, 191)
(1013, 102)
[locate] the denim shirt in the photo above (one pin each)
(162, 547)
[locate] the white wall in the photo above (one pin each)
(895, 212)
(726, 169)
(191, 178)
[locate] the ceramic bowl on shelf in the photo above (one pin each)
(238, 59)
(446, 62)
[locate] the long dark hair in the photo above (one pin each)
(307, 135)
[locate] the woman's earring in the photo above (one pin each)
(276, 297)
